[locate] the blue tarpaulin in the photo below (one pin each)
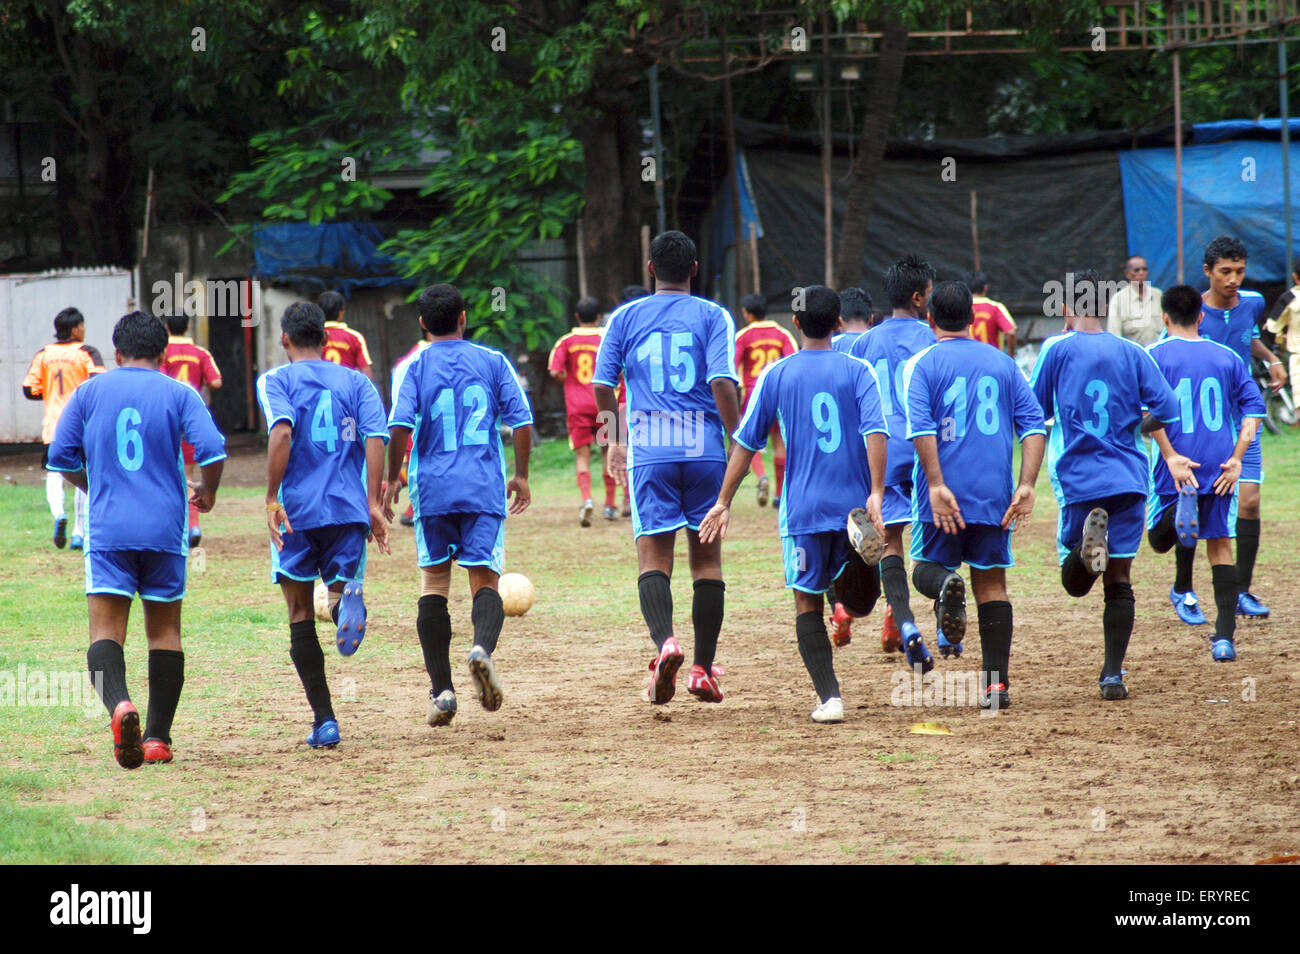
(341, 255)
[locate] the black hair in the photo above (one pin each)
(1295, 267)
(907, 277)
(1225, 246)
(65, 321)
(820, 312)
(588, 310)
(440, 307)
(977, 282)
(304, 323)
(177, 324)
(672, 253)
(855, 304)
(632, 292)
(138, 335)
(950, 305)
(331, 303)
(1086, 301)
(756, 305)
(1182, 303)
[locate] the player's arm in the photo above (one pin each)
(518, 487)
(615, 448)
(559, 356)
(947, 513)
(277, 462)
(399, 436)
(33, 390)
(211, 373)
(877, 451)
(1226, 483)
(715, 522)
(1008, 326)
(204, 494)
(728, 403)
(720, 370)
(1276, 373)
(1180, 467)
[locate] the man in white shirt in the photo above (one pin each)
(1135, 310)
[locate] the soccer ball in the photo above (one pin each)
(517, 595)
(321, 600)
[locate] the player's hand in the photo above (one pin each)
(379, 528)
(273, 520)
(1180, 469)
(947, 515)
(715, 522)
(1022, 505)
(518, 487)
(874, 504)
(202, 498)
(1277, 376)
(390, 498)
(1226, 482)
(616, 463)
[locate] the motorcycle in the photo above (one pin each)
(1280, 413)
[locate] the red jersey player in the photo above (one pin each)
(343, 345)
(759, 344)
(990, 322)
(190, 364)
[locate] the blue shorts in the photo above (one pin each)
(1127, 515)
(667, 497)
(335, 553)
(897, 505)
(982, 545)
(813, 561)
(472, 539)
(153, 574)
(1252, 462)
(1217, 516)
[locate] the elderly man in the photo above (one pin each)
(1135, 310)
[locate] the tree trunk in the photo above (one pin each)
(610, 217)
(850, 268)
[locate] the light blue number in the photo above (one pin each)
(1100, 394)
(652, 352)
(956, 396)
(987, 417)
(130, 447)
(1187, 421)
(826, 418)
(886, 392)
(475, 397)
(683, 359)
(445, 408)
(323, 430)
(1211, 404)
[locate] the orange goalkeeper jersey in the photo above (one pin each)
(55, 373)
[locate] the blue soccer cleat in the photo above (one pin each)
(1222, 650)
(914, 647)
(1188, 607)
(947, 649)
(1187, 517)
(1112, 687)
(442, 708)
(77, 542)
(60, 532)
(1248, 605)
(351, 619)
(325, 735)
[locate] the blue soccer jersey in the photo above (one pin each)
(1215, 393)
(670, 349)
(332, 410)
(887, 348)
(826, 403)
(1096, 385)
(455, 396)
(126, 426)
(972, 399)
(1236, 327)
(845, 339)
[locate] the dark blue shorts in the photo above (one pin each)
(153, 574)
(982, 545)
(472, 539)
(1252, 462)
(1216, 516)
(667, 497)
(897, 504)
(813, 561)
(1127, 519)
(335, 553)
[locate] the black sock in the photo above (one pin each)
(1163, 536)
(1075, 576)
(166, 676)
(893, 580)
(995, 641)
(488, 616)
(107, 667)
(305, 651)
(1184, 561)
(928, 579)
(1225, 600)
(433, 625)
(656, 594)
(1117, 625)
(1247, 550)
(815, 648)
(706, 614)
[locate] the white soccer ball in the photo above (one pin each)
(321, 600)
(517, 594)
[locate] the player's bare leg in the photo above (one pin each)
(764, 490)
(55, 499)
(611, 488)
(1248, 526)
(107, 664)
(995, 621)
(654, 553)
(309, 660)
(707, 605)
(815, 650)
(162, 629)
(488, 616)
(433, 626)
(582, 459)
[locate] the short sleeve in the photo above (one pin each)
(515, 411)
(916, 398)
(199, 428)
(760, 414)
(740, 352)
(66, 451)
(1026, 408)
(871, 419)
(210, 373)
(33, 380)
(559, 356)
(96, 359)
(609, 359)
(788, 346)
(406, 396)
(1004, 319)
(720, 347)
(1157, 396)
(273, 396)
(363, 353)
(370, 410)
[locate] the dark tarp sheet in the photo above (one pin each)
(339, 255)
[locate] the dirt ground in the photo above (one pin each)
(1199, 765)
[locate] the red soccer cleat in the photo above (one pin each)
(156, 751)
(126, 735)
(704, 686)
(891, 640)
(841, 626)
(662, 683)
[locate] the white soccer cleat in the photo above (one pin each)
(486, 683)
(442, 708)
(832, 710)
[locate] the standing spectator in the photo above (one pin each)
(1135, 310)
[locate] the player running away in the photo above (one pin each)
(759, 344)
(55, 373)
(190, 364)
(343, 345)
(992, 322)
(828, 405)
